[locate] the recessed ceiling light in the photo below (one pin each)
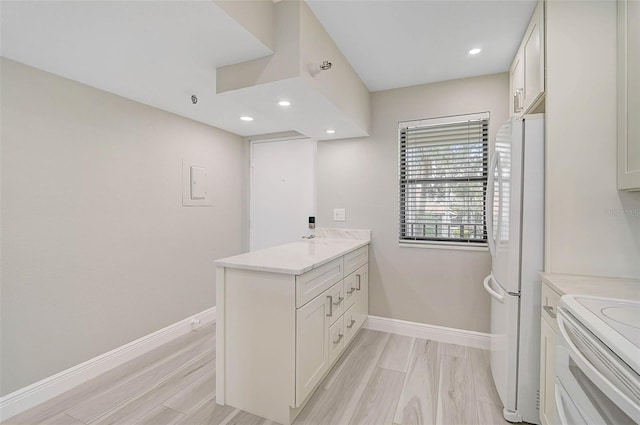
(474, 51)
(246, 118)
(330, 131)
(284, 103)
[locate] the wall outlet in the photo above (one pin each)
(339, 214)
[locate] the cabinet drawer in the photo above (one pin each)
(549, 306)
(356, 259)
(361, 304)
(350, 290)
(335, 302)
(350, 323)
(314, 282)
(361, 284)
(336, 339)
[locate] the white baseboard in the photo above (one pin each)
(41, 391)
(432, 332)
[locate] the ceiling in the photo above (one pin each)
(161, 52)
(394, 43)
(155, 52)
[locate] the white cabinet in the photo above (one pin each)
(361, 302)
(357, 310)
(355, 259)
(628, 95)
(517, 84)
(278, 334)
(314, 282)
(321, 328)
(533, 53)
(528, 68)
(312, 351)
(335, 299)
(350, 291)
(548, 337)
(349, 323)
(336, 339)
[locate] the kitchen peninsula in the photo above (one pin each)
(284, 316)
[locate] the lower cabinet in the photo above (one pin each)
(279, 335)
(324, 328)
(312, 351)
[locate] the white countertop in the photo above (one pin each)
(299, 256)
(611, 287)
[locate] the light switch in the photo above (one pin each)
(198, 179)
(339, 214)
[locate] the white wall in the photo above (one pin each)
(255, 15)
(97, 249)
(591, 227)
(341, 85)
(434, 286)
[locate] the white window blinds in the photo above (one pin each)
(443, 179)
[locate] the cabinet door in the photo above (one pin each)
(628, 95)
(547, 374)
(533, 52)
(517, 84)
(361, 304)
(312, 354)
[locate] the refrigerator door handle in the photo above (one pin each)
(490, 290)
(489, 204)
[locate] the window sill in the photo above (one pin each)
(444, 245)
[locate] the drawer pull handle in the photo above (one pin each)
(351, 291)
(350, 325)
(330, 306)
(339, 339)
(549, 310)
(358, 281)
(339, 301)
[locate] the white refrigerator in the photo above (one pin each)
(515, 230)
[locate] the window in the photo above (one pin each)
(443, 180)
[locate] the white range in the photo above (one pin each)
(598, 361)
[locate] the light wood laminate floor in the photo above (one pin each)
(380, 379)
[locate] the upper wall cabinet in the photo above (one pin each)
(527, 69)
(628, 95)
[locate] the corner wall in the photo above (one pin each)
(434, 286)
(97, 249)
